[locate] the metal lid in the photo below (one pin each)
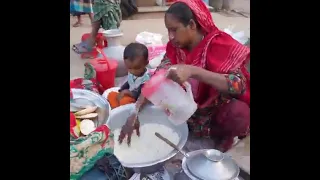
(212, 165)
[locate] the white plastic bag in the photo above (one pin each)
(148, 38)
(154, 62)
(239, 36)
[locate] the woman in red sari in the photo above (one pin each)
(214, 64)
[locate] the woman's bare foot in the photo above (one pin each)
(77, 24)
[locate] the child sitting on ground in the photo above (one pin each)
(135, 57)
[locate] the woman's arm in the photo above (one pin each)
(140, 103)
(233, 83)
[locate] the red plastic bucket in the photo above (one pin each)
(105, 71)
(101, 42)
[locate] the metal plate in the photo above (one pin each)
(149, 114)
(86, 97)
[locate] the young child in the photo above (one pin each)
(135, 57)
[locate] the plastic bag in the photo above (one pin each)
(155, 62)
(154, 43)
(239, 36)
(156, 50)
(148, 38)
(82, 83)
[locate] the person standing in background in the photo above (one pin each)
(107, 15)
(81, 7)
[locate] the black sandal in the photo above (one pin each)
(82, 47)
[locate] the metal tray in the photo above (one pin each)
(86, 97)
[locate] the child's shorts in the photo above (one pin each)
(112, 98)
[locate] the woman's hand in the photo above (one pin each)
(132, 123)
(180, 73)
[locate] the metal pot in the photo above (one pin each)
(149, 114)
(115, 50)
(210, 164)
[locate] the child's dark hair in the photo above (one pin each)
(182, 12)
(135, 49)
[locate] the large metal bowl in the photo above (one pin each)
(89, 97)
(149, 114)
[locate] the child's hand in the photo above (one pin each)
(123, 93)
